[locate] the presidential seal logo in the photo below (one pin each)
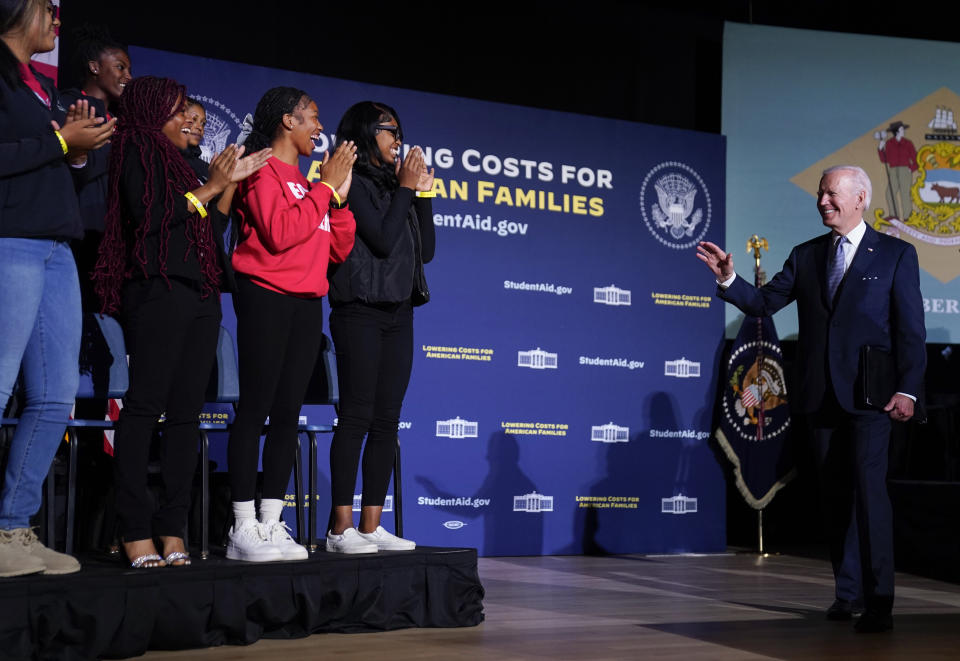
(680, 215)
(755, 395)
(222, 123)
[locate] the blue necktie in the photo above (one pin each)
(836, 269)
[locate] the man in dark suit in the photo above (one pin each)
(853, 287)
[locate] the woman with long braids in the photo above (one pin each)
(160, 267)
(372, 296)
(288, 233)
(40, 318)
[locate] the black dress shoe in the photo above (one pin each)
(874, 621)
(841, 609)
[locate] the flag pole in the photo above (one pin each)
(754, 244)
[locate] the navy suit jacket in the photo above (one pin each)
(878, 303)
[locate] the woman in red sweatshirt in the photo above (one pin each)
(288, 233)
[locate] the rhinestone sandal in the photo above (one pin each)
(177, 559)
(147, 561)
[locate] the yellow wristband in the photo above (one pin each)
(202, 210)
(425, 193)
(63, 143)
(334, 191)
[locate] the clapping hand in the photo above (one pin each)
(337, 170)
(82, 130)
(250, 164)
(412, 170)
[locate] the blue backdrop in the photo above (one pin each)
(565, 368)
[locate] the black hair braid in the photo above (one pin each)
(273, 105)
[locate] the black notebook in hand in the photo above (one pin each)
(876, 378)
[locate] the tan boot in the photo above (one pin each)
(54, 562)
(15, 559)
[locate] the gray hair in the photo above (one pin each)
(858, 177)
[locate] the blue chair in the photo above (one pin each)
(324, 388)
(223, 388)
(103, 375)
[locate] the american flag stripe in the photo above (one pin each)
(113, 414)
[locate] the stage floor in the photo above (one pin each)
(719, 607)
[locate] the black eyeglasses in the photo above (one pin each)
(393, 130)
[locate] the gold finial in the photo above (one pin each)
(754, 243)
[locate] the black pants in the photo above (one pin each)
(374, 346)
(278, 341)
(171, 338)
(851, 452)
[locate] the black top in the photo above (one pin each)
(380, 268)
(226, 240)
(92, 180)
(181, 259)
(37, 198)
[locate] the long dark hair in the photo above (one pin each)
(14, 14)
(359, 124)
(273, 105)
(145, 108)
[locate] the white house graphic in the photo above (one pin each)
(678, 505)
(457, 428)
(611, 295)
(358, 497)
(537, 359)
(533, 502)
(682, 368)
(610, 433)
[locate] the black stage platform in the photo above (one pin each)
(109, 611)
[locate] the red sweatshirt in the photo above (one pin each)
(288, 232)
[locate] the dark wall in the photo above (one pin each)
(655, 62)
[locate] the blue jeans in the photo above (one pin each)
(40, 324)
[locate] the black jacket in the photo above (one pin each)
(380, 268)
(37, 199)
(91, 180)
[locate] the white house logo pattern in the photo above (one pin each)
(533, 502)
(681, 368)
(453, 525)
(457, 428)
(358, 498)
(681, 215)
(610, 433)
(611, 295)
(537, 359)
(678, 504)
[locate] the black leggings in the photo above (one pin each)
(278, 341)
(374, 346)
(171, 337)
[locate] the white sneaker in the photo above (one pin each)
(249, 543)
(349, 541)
(388, 542)
(278, 534)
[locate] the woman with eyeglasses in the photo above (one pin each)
(372, 296)
(40, 317)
